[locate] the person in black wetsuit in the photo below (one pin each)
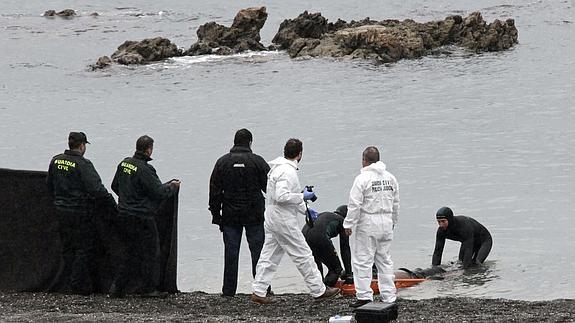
(329, 225)
(475, 239)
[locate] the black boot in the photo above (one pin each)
(116, 291)
(359, 302)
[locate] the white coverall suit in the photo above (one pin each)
(283, 233)
(371, 214)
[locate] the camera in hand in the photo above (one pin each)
(310, 189)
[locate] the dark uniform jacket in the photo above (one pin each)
(329, 225)
(138, 187)
(464, 229)
(236, 186)
(74, 183)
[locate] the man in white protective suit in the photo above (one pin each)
(371, 217)
(283, 232)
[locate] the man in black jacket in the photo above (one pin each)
(236, 202)
(77, 191)
(140, 194)
(328, 225)
(475, 239)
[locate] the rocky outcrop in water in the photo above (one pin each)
(390, 40)
(140, 52)
(310, 34)
(145, 51)
(101, 63)
(67, 13)
(305, 26)
(243, 35)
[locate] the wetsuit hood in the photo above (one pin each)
(341, 210)
(445, 213)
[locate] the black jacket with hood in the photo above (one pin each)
(236, 185)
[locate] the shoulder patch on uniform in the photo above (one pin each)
(64, 164)
(129, 168)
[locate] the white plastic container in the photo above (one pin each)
(341, 319)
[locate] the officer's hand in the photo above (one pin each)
(348, 232)
(175, 183)
(313, 214)
(216, 218)
(308, 195)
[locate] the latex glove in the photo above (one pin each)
(308, 195)
(313, 214)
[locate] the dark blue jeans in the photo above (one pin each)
(232, 241)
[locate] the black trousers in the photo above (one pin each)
(139, 254)
(232, 240)
(324, 253)
(79, 236)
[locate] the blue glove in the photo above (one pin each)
(308, 195)
(313, 214)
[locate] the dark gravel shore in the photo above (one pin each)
(202, 307)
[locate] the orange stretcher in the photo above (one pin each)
(349, 289)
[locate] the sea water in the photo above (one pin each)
(491, 135)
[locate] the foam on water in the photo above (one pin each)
(246, 57)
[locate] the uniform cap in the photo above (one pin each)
(78, 137)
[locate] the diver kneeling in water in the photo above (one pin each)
(475, 239)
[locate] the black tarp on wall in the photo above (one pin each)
(30, 254)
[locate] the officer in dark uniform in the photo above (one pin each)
(77, 191)
(236, 202)
(329, 225)
(475, 240)
(140, 194)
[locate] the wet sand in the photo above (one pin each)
(203, 307)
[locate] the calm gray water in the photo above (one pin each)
(490, 135)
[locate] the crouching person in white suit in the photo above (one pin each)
(371, 217)
(283, 234)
